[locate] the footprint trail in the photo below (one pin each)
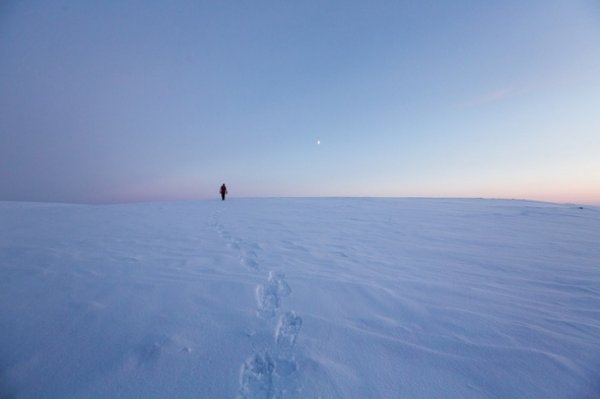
(268, 372)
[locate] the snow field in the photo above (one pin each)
(300, 298)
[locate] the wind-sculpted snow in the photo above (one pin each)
(300, 298)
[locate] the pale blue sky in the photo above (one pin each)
(132, 100)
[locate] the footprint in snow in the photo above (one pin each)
(250, 263)
(152, 348)
(235, 244)
(248, 259)
(256, 377)
(287, 331)
(269, 294)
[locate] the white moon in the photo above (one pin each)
(318, 142)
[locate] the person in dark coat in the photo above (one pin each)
(223, 191)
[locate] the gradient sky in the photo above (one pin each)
(109, 101)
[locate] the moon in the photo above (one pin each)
(318, 142)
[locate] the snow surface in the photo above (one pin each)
(300, 298)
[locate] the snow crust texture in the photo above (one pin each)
(300, 298)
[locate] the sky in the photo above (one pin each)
(121, 101)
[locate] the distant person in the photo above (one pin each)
(223, 191)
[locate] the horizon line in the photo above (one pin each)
(324, 197)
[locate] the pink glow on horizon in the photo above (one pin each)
(493, 96)
(187, 194)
